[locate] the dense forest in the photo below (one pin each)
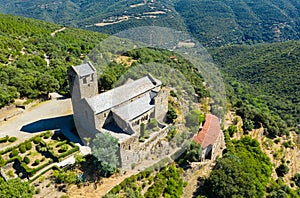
(264, 82)
(212, 22)
(26, 46)
(217, 23)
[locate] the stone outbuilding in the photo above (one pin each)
(210, 137)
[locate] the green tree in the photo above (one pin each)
(282, 169)
(296, 179)
(15, 188)
(242, 172)
(105, 148)
(248, 125)
(232, 129)
(194, 152)
(194, 118)
(171, 114)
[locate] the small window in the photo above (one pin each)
(92, 78)
(129, 147)
(84, 80)
(104, 115)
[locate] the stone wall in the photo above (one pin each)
(103, 118)
(84, 118)
(133, 152)
(161, 105)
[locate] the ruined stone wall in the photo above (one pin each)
(134, 152)
(128, 153)
(161, 105)
(220, 144)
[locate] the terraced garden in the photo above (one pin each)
(29, 159)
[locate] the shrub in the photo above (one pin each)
(232, 129)
(13, 153)
(42, 179)
(171, 114)
(141, 139)
(288, 144)
(36, 162)
(10, 173)
(281, 170)
(173, 94)
(296, 179)
(194, 118)
(152, 123)
(28, 146)
(22, 148)
(26, 160)
(47, 135)
(63, 148)
(4, 139)
(37, 191)
(2, 161)
(12, 139)
(146, 134)
(37, 140)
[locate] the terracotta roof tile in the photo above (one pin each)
(210, 131)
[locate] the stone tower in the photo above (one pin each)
(83, 84)
(83, 81)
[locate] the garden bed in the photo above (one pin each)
(37, 153)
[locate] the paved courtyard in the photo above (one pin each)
(50, 115)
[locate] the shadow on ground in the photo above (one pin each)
(64, 124)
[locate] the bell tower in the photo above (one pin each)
(83, 81)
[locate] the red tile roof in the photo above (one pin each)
(210, 131)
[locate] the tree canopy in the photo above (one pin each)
(244, 171)
(104, 148)
(15, 188)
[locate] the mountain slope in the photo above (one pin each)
(264, 74)
(212, 22)
(217, 22)
(33, 61)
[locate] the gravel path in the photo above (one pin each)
(49, 115)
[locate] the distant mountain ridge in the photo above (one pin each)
(212, 22)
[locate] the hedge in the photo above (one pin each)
(61, 143)
(22, 148)
(12, 139)
(14, 153)
(30, 171)
(69, 152)
(4, 139)
(42, 173)
(26, 160)
(37, 139)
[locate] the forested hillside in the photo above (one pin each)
(33, 62)
(91, 14)
(263, 77)
(212, 22)
(217, 23)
